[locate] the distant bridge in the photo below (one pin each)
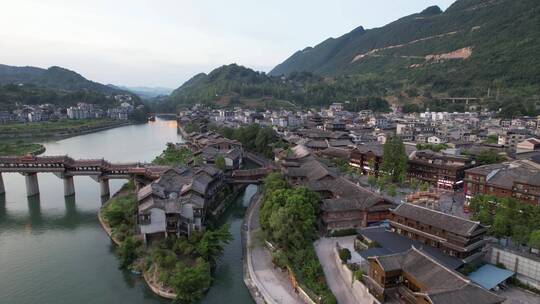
(260, 160)
(66, 168)
(250, 176)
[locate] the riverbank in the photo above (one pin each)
(150, 279)
(57, 129)
(20, 148)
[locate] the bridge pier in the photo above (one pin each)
(69, 185)
(32, 185)
(2, 187)
(104, 187)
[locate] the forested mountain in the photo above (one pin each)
(476, 48)
(148, 93)
(232, 85)
(473, 46)
(55, 85)
(52, 78)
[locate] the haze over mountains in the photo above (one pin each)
(474, 48)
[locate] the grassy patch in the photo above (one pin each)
(20, 148)
(51, 127)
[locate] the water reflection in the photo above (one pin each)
(36, 221)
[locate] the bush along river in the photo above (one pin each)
(53, 249)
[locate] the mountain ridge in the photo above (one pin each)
(502, 36)
(54, 77)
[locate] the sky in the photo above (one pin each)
(165, 42)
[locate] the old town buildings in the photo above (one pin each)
(519, 179)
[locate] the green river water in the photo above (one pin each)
(53, 250)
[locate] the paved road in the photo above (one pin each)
(271, 282)
(339, 287)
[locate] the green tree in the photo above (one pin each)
(534, 239)
(392, 190)
(372, 181)
(488, 157)
(211, 245)
(394, 159)
(190, 283)
(128, 251)
(220, 163)
(520, 234)
(344, 255)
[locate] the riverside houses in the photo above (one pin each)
(519, 179)
(178, 201)
(455, 236)
(416, 277)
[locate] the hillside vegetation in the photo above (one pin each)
(476, 48)
(233, 85)
(55, 85)
(473, 46)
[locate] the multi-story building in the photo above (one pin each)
(334, 125)
(519, 179)
(455, 236)
(512, 138)
(443, 171)
(177, 203)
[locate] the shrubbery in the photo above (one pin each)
(288, 216)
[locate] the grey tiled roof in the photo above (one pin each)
(440, 284)
(454, 224)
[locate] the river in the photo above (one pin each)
(53, 250)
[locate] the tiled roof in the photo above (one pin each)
(454, 224)
(440, 284)
(505, 174)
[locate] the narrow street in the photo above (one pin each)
(271, 282)
(325, 251)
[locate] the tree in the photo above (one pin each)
(488, 157)
(424, 186)
(128, 251)
(381, 183)
(372, 181)
(344, 255)
(190, 283)
(534, 239)
(220, 163)
(211, 244)
(274, 181)
(392, 190)
(520, 234)
(394, 159)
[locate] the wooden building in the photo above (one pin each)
(455, 236)
(443, 171)
(519, 179)
(344, 204)
(415, 277)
